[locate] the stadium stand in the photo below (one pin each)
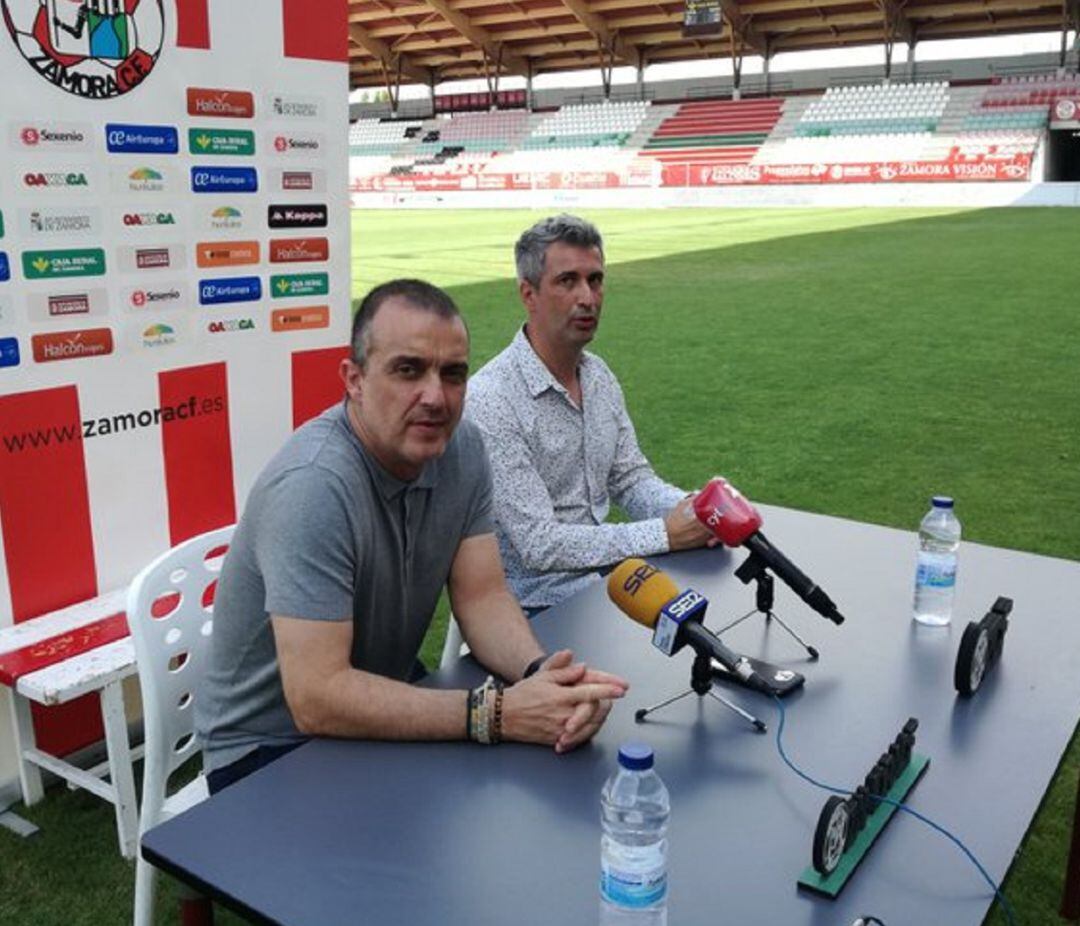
(715, 132)
(925, 131)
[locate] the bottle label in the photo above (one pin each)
(936, 570)
(633, 876)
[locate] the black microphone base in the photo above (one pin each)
(779, 680)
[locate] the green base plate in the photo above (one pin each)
(831, 885)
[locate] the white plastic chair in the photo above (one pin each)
(169, 612)
(454, 646)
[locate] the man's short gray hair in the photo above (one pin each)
(531, 247)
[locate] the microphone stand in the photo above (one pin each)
(701, 684)
(754, 569)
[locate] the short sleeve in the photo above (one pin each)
(306, 547)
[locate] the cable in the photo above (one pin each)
(897, 804)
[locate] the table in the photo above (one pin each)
(101, 670)
(381, 833)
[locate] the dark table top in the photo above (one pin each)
(384, 833)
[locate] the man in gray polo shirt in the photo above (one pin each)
(346, 541)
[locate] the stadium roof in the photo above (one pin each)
(430, 41)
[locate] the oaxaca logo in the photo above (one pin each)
(86, 262)
(55, 179)
(158, 336)
(137, 219)
(70, 345)
(96, 49)
(231, 324)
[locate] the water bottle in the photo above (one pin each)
(935, 577)
(634, 811)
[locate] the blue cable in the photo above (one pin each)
(897, 804)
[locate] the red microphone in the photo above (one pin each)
(735, 522)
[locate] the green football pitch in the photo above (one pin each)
(851, 362)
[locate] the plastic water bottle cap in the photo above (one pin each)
(635, 756)
(941, 501)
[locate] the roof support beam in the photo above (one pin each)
(740, 25)
(390, 60)
(609, 41)
(481, 38)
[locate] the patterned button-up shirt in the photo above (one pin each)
(557, 468)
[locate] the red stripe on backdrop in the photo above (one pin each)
(197, 449)
(48, 543)
(316, 29)
(316, 384)
(192, 23)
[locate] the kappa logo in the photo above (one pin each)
(289, 216)
(71, 345)
(95, 49)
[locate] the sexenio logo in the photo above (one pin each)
(51, 136)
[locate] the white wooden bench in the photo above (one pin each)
(100, 670)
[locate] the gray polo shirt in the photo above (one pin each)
(327, 534)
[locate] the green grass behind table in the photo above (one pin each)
(844, 361)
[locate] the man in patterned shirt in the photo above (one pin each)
(561, 443)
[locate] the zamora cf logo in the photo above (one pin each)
(96, 49)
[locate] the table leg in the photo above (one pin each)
(22, 722)
(1070, 902)
(120, 772)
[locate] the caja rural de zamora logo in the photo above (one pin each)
(96, 49)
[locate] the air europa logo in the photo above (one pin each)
(96, 49)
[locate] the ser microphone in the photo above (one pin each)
(732, 519)
(648, 596)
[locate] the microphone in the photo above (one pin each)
(647, 595)
(731, 518)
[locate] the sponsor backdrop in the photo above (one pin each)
(174, 277)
